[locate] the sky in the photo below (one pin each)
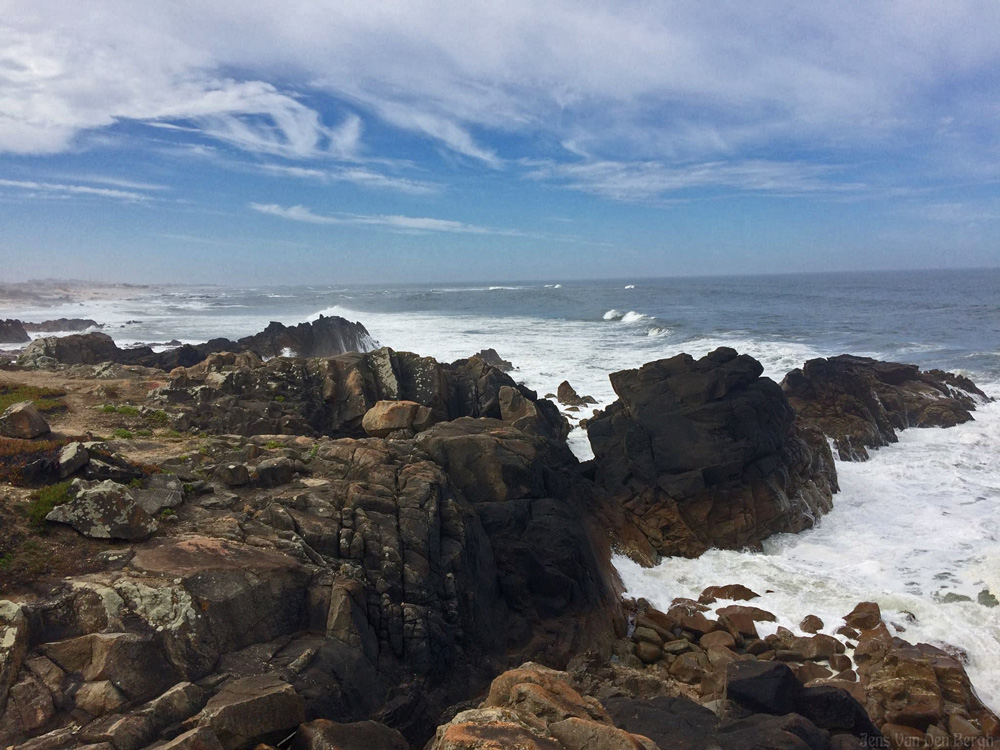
(315, 141)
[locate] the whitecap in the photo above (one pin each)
(612, 315)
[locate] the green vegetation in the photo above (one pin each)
(167, 512)
(122, 434)
(109, 409)
(157, 418)
(135, 484)
(273, 445)
(128, 411)
(16, 456)
(144, 433)
(280, 399)
(44, 399)
(44, 500)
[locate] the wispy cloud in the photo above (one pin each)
(355, 175)
(68, 190)
(645, 180)
(402, 223)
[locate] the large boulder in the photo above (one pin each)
(323, 337)
(61, 325)
(104, 510)
(706, 453)
(23, 421)
(252, 708)
(77, 349)
(12, 332)
(860, 402)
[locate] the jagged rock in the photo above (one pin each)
(323, 337)
(568, 396)
(706, 453)
(490, 357)
(13, 646)
(199, 738)
(61, 324)
(233, 475)
(731, 592)
(23, 421)
(13, 332)
(251, 708)
(77, 349)
(332, 396)
(107, 510)
(72, 458)
(861, 402)
(322, 734)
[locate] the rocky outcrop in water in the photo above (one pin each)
(323, 337)
(12, 332)
(706, 453)
(62, 324)
(860, 402)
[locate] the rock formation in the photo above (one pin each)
(323, 337)
(12, 332)
(62, 324)
(242, 395)
(707, 453)
(860, 403)
(23, 421)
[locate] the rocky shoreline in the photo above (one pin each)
(374, 549)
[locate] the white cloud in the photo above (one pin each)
(670, 82)
(31, 186)
(650, 179)
(356, 175)
(411, 223)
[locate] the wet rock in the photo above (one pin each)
(106, 510)
(732, 592)
(765, 687)
(811, 624)
(864, 616)
(568, 396)
(706, 453)
(490, 357)
(862, 402)
(23, 421)
(12, 332)
(61, 325)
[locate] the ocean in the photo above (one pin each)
(916, 528)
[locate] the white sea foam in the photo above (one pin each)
(915, 529)
(630, 286)
(634, 317)
(613, 315)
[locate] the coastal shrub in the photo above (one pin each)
(128, 411)
(167, 512)
(273, 444)
(122, 434)
(109, 409)
(144, 433)
(157, 418)
(17, 456)
(44, 500)
(46, 400)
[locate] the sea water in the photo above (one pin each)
(915, 528)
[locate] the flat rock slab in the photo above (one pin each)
(252, 707)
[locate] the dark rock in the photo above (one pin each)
(272, 472)
(72, 458)
(706, 453)
(77, 349)
(61, 325)
(567, 396)
(862, 402)
(233, 475)
(13, 332)
(762, 687)
(323, 337)
(23, 421)
(252, 708)
(322, 734)
(490, 357)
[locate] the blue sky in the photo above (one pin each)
(427, 141)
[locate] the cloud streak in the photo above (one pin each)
(394, 222)
(31, 186)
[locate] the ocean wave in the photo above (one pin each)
(634, 317)
(630, 286)
(613, 315)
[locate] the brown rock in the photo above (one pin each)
(251, 707)
(581, 734)
(200, 738)
(23, 421)
(386, 417)
(648, 653)
(686, 669)
(717, 639)
(840, 662)
(900, 736)
(754, 613)
(865, 616)
(731, 592)
(322, 734)
(811, 624)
